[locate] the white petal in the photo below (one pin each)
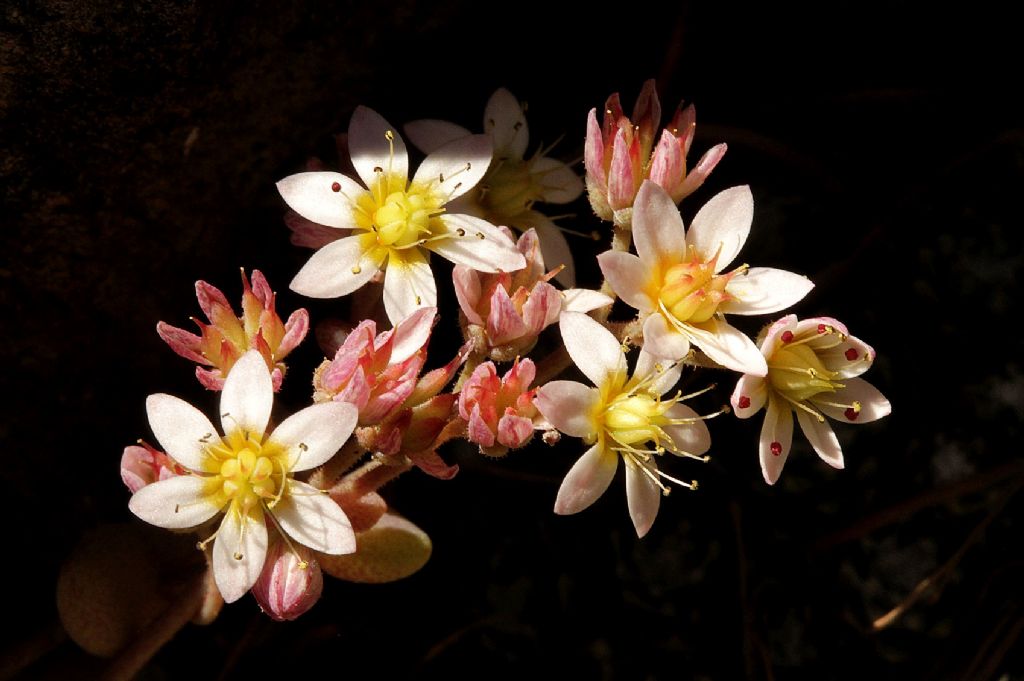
(482, 246)
(312, 196)
(429, 134)
(314, 434)
(592, 347)
(408, 284)
(643, 498)
(312, 518)
(583, 300)
(248, 396)
(337, 269)
(763, 290)
(569, 406)
(456, 167)
(724, 222)
(777, 428)
(558, 181)
(873, 404)
(239, 552)
(693, 437)
(554, 249)
(505, 122)
(728, 346)
(755, 389)
(669, 372)
(822, 438)
(628, 276)
(586, 480)
(663, 340)
(369, 147)
(658, 230)
(182, 430)
(412, 334)
(175, 503)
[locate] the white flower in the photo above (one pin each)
(618, 418)
(513, 183)
(246, 474)
(395, 222)
(677, 284)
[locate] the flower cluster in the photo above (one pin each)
(277, 507)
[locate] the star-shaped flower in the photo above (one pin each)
(621, 417)
(677, 281)
(812, 371)
(247, 474)
(395, 222)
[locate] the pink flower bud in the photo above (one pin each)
(290, 583)
(499, 412)
(142, 464)
(227, 337)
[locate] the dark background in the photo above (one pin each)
(883, 143)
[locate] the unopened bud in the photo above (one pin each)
(290, 583)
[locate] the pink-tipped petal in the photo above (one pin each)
(429, 134)
(542, 308)
(587, 480)
(184, 343)
(723, 223)
(698, 173)
(728, 346)
(314, 434)
(175, 503)
(749, 396)
(312, 195)
(482, 246)
(514, 431)
(643, 498)
(408, 284)
(309, 516)
(183, 431)
(554, 249)
(247, 397)
(763, 290)
(592, 347)
(822, 438)
(622, 175)
(873, 404)
(850, 358)
(295, 330)
(467, 291)
(593, 151)
(239, 552)
(370, 148)
(569, 406)
(477, 430)
(668, 166)
(776, 438)
(658, 230)
(504, 322)
(412, 334)
(663, 340)
(337, 269)
(456, 167)
(628, 276)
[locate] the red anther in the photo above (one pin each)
(776, 448)
(851, 414)
(851, 354)
(822, 328)
(787, 336)
(744, 402)
(336, 187)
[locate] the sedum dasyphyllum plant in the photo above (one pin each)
(276, 507)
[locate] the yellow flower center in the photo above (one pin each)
(633, 419)
(691, 291)
(400, 217)
(247, 473)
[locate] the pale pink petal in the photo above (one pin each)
(481, 245)
(477, 429)
(586, 480)
(309, 516)
(467, 291)
(643, 498)
(592, 347)
(821, 437)
(183, 431)
(314, 434)
(569, 406)
(514, 431)
(873, 404)
(175, 503)
(668, 165)
(558, 182)
(723, 223)
(313, 196)
(295, 329)
(762, 290)
(658, 231)
(776, 438)
(628, 276)
(698, 173)
(554, 249)
(211, 380)
(411, 334)
(337, 269)
(663, 340)
(239, 552)
(370, 148)
(505, 122)
(728, 346)
(504, 322)
(456, 167)
(692, 434)
(408, 284)
(622, 178)
(583, 300)
(542, 308)
(755, 390)
(668, 372)
(593, 151)
(248, 396)
(184, 343)
(429, 134)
